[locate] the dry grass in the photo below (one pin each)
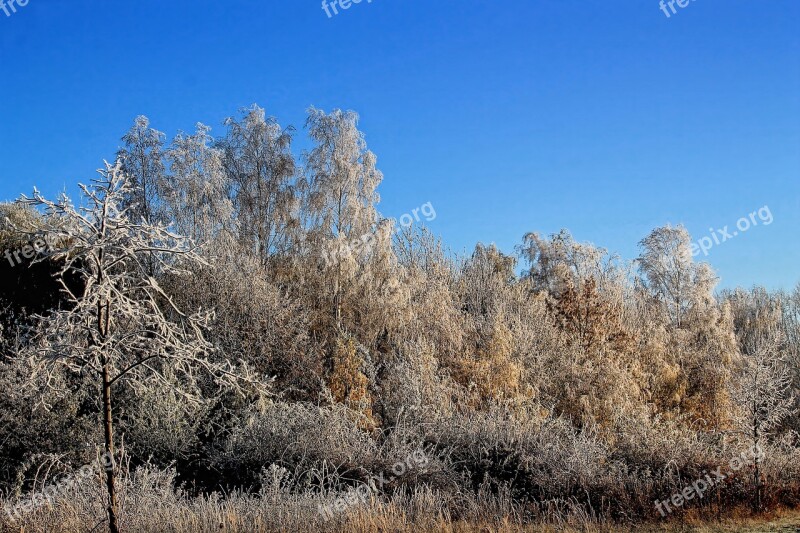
(149, 503)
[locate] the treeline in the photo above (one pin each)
(584, 387)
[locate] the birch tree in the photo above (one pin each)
(196, 191)
(341, 197)
(670, 273)
(142, 160)
(260, 171)
(121, 327)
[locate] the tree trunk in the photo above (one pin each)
(757, 482)
(756, 464)
(113, 525)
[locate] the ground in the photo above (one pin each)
(787, 522)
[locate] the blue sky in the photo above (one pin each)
(607, 118)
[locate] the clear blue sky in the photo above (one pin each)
(604, 117)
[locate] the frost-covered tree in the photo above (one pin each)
(760, 314)
(430, 276)
(671, 275)
(791, 329)
(559, 262)
(593, 379)
(142, 159)
(764, 397)
(121, 327)
(585, 286)
(485, 286)
(260, 174)
(195, 194)
(341, 197)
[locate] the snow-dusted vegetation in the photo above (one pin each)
(188, 319)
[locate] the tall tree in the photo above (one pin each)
(341, 197)
(196, 195)
(142, 159)
(260, 177)
(670, 273)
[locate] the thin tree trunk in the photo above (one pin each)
(113, 526)
(756, 465)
